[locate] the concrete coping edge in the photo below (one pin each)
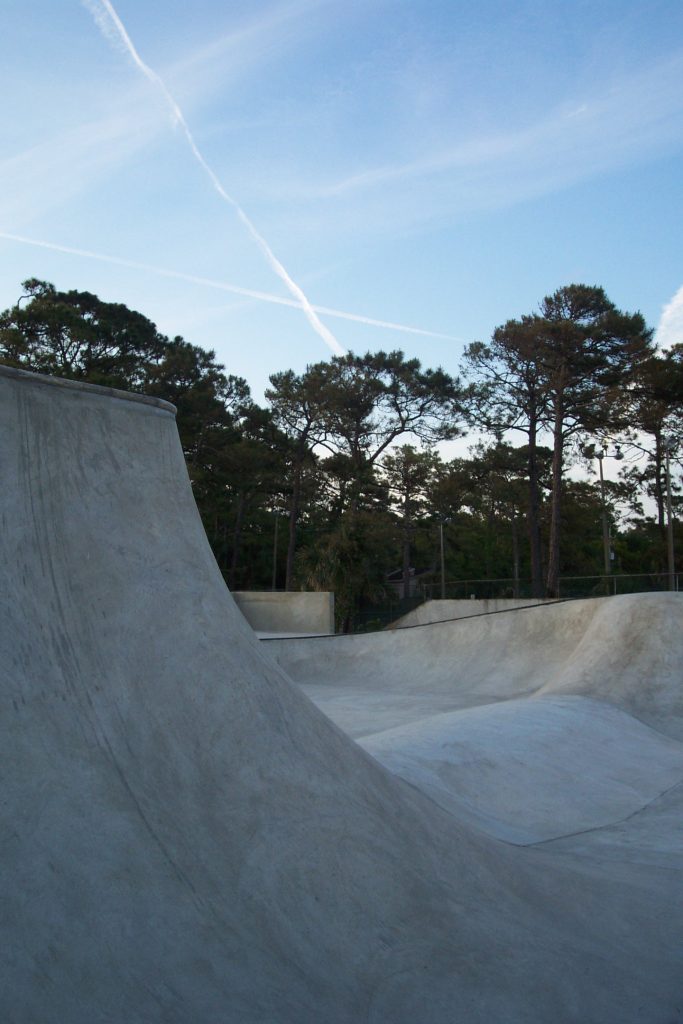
(44, 379)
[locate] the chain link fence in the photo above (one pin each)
(569, 587)
(374, 618)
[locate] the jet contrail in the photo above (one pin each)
(103, 8)
(234, 289)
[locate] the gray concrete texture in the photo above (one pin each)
(287, 613)
(450, 608)
(186, 837)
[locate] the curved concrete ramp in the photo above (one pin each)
(186, 838)
(530, 725)
(528, 771)
(443, 610)
(627, 650)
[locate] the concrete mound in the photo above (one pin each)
(512, 769)
(187, 838)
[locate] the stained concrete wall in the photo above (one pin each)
(292, 612)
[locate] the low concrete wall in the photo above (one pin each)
(294, 612)
(436, 611)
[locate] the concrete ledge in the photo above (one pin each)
(294, 612)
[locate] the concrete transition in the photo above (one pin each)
(287, 614)
(441, 611)
(187, 838)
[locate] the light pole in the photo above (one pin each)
(443, 563)
(669, 444)
(277, 523)
(600, 452)
(600, 455)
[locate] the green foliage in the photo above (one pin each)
(655, 424)
(337, 483)
(350, 560)
(568, 371)
(77, 336)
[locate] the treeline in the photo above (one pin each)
(337, 483)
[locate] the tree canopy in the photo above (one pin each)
(351, 449)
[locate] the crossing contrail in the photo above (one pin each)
(223, 286)
(107, 20)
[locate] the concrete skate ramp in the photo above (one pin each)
(626, 650)
(444, 610)
(531, 725)
(528, 771)
(186, 838)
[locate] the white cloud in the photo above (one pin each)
(247, 47)
(624, 122)
(57, 169)
(670, 327)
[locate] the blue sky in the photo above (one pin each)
(440, 165)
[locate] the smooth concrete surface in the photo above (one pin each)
(626, 650)
(290, 613)
(577, 726)
(441, 611)
(532, 770)
(187, 838)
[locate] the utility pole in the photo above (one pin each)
(277, 523)
(443, 564)
(669, 443)
(600, 452)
